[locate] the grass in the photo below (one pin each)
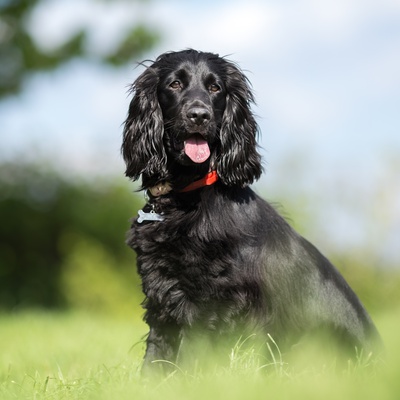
(83, 356)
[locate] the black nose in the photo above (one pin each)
(199, 115)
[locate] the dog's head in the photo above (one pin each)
(191, 109)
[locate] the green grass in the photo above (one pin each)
(83, 356)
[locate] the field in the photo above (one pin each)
(91, 356)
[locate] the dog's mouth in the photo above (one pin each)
(196, 148)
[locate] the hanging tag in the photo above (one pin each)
(150, 216)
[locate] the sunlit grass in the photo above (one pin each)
(83, 356)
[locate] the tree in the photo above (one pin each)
(61, 241)
(53, 229)
(20, 55)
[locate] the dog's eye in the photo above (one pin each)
(214, 88)
(175, 85)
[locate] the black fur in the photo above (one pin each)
(223, 262)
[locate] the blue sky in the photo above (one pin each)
(326, 78)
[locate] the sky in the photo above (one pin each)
(325, 74)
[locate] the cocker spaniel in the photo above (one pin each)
(217, 261)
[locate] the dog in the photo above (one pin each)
(215, 259)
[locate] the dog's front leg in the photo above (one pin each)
(162, 348)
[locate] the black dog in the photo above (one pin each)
(213, 256)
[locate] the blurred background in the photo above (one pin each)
(326, 79)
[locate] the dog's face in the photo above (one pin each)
(191, 109)
(192, 98)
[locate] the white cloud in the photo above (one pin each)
(224, 27)
(298, 108)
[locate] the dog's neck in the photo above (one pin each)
(153, 211)
(207, 180)
(165, 187)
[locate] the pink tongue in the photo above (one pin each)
(196, 148)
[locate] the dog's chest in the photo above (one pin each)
(186, 279)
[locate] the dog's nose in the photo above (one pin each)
(199, 115)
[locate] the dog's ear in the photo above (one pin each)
(239, 163)
(142, 146)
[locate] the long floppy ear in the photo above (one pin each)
(239, 163)
(142, 146)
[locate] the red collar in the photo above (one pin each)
(207, 180)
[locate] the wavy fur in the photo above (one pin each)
(222, 263)
(143, 148)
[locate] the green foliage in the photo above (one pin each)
(55, 232)
(20, 55)
(62, 244)
(91, 280)
(377, 287)
(136, 41)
